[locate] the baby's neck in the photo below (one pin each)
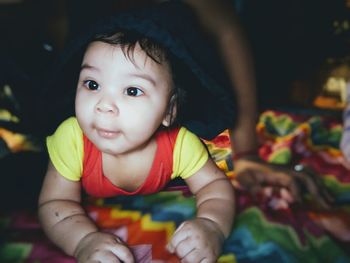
(129, 171)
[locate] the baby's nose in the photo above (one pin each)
(105, 106)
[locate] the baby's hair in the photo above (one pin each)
(127, 40)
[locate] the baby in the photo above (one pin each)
(126, 138)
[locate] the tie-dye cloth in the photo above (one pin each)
(260, 234)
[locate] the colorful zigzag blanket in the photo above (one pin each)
(260, 234)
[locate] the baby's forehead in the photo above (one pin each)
(135, 52)
(142, 57)
(100, 55)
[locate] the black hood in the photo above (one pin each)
(209, 105)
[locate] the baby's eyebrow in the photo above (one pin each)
(144, 76)
(87, 66)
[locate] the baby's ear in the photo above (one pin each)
(171, 113)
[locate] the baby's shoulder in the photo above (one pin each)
(69, 125)
(69, 129)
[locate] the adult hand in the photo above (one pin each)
(280, 184)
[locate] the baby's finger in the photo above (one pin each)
(178, 237)
(195, 256)
(123, 253)
(104, 257)
(184, 248)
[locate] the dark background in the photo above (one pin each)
(290, 40)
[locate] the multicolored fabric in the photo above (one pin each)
(260, 234)
(297, 234)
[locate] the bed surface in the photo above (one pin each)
(300, 233)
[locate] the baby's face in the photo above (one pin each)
(121, 103)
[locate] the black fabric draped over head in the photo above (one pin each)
(209, 106)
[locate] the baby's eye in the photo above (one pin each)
(135, 92)
(91, 85)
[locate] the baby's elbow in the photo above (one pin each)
(218, 189)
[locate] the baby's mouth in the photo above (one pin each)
(107, 134)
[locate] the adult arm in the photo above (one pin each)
(221, 23)
(219, 20)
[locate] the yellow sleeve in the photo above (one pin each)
(189, 154)
(65, 149)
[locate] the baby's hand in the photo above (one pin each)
(104, 248)
(198, 240)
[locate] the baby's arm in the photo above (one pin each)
(67, 225)
(201, 239)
